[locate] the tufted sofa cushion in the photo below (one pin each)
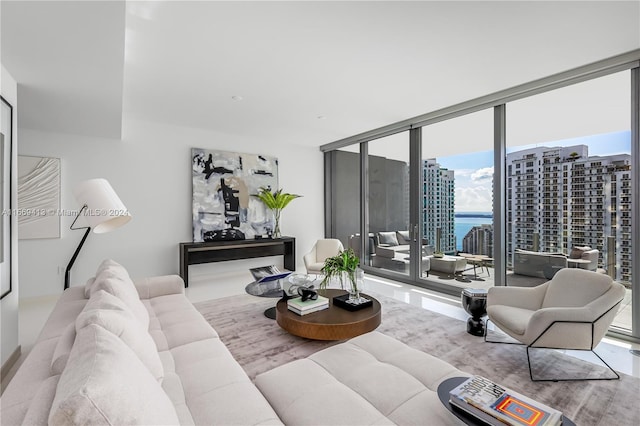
(371, 379)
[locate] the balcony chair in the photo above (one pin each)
(322, 249)
(572, 311)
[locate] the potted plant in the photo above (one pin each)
(276, 202)
(344, 267)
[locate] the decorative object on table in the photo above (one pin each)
(304, 307)
(6, 227)
(344, 268)
(438, 254)
(343, 302)
(38, 197)
(307, 293)
(296, 283)
(276, 202)
(474, 301)
(222, 182)
(102, 209)
(497, 406)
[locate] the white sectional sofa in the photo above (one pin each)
(83, 369)
(118, 353)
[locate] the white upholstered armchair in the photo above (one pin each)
(572, 311)
(322, 249)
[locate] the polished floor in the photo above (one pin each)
(34, 312)
(483, 276)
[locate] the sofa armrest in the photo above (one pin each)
(159, 286)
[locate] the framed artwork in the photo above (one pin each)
(222, 185)
(38, 197)
(6, 143)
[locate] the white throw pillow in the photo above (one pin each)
(112, 314)
(63, 348)
(87, 287)
(114, 279)
(105, 383)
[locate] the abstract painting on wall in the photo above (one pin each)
(223, 184)
(38, 197)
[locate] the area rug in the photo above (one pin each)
(258, 344)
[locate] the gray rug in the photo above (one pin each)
(259, 345)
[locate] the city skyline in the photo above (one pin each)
(473, 186)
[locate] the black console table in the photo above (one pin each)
(220, 251)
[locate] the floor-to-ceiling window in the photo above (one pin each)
(540, 171)
(345, 183)
(569, 183)
(388, 204)
(456, 199)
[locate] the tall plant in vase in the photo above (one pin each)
(344, 268)
(275, 201)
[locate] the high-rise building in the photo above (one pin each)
(438, 205)
(479, 240)
(560, 197)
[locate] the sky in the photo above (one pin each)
(474, 184)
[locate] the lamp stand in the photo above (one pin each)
(67, 273)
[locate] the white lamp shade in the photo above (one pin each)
(105, 211)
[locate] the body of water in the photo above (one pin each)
(465, 221)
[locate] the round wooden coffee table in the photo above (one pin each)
(334, 323)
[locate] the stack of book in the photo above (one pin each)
(496, 405)
(308, 306)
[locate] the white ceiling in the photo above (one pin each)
(84, 67)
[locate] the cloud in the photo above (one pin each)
(477, 199)
(463, 172)
(483, 174)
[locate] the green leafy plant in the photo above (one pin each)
(345, 262)
(275, 201)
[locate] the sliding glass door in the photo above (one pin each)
(387, 196)
(501, 190)
(456, 200)
(569, 184)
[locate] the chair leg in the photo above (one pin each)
(617, 376)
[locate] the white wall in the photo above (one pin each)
(150, 169)
(9, 305)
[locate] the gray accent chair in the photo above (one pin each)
(572, 311)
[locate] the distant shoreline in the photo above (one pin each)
(472, 214)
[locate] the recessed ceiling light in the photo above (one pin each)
(237, 98)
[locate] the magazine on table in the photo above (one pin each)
(265, 274)
(503, 405)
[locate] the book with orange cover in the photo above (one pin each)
(503, 405)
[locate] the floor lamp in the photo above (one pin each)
(102, 210)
